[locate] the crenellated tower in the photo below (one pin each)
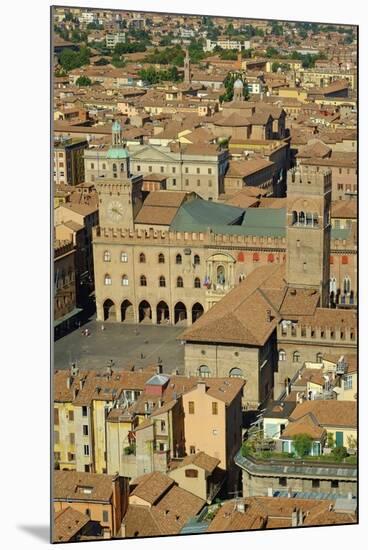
(309, 230)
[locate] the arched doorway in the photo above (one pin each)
(145, 312)
(197, 311)
(163, 313)
(180, 313)
(127, 313)
(109, 310)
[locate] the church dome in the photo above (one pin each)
(238, 83)
(118, 153)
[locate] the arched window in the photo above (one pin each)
(315, 218)
(309, 218)
(178, 259)
(240, 257)
(331, 260)
(142, 258)
(319, 357)
(124, 257)
(296, 357)
(294, 217)
(255, 257)
(161, 258)
(179, 282)
(301, 218)
(197, 282)
(236, 373)
(344, 260)
(114, 167)
(124, 280)
(103, 166)
(122, 166)
(162, 281)
(204, 371)
(270, 258)
(143, 280)
(107, 256)
(107, 279)
(197, 259)
(333, 284)
(282, 355)
(347, 284)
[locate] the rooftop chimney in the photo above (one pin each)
(240, 507)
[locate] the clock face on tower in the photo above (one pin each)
(115, 211)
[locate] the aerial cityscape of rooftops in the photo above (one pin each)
(205, 274)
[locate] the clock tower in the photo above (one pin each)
(120, 194)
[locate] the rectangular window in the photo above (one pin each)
(282, 481)
(138, 168)
(86, 469)
(191, 407)
(348, 382)
(71, 416)
(162, 169)
(72, 439)
(210, 171)
(86, 450)
(71, 457)
(173, 169)
(334, 484)
(198, 170)
(150, 168)
(56, 437)
(174, 181)
(56, 416)
(85, 429)
(192, 450)
(198, 183)
(92, 165)
(163, 425)
(186, 170)
(105, 516)
(84, 411)
(191, 472)
(214, 407)
(315, 483)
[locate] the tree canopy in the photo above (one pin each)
(70, 60)
(302, 444)
(83, 81)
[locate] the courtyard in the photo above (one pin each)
(125, 345)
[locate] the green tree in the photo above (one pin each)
(70, 60)
(339, 453)
(83, 81)
(272, 52)
(302, 444)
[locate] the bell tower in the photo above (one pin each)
(309, 229)
(187, 75)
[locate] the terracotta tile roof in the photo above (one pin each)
(156, 215)
(165, 198)
(67, 523)
(87, 386)
(299, 300)
(315, 148)
(305, 425)
(329, 318)
(276, 512)
(202, 460)
(243, 168)
(151, 487)
(71, 485)
(344, 209)
(241, 316)
(82, 209)
(328, 413)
